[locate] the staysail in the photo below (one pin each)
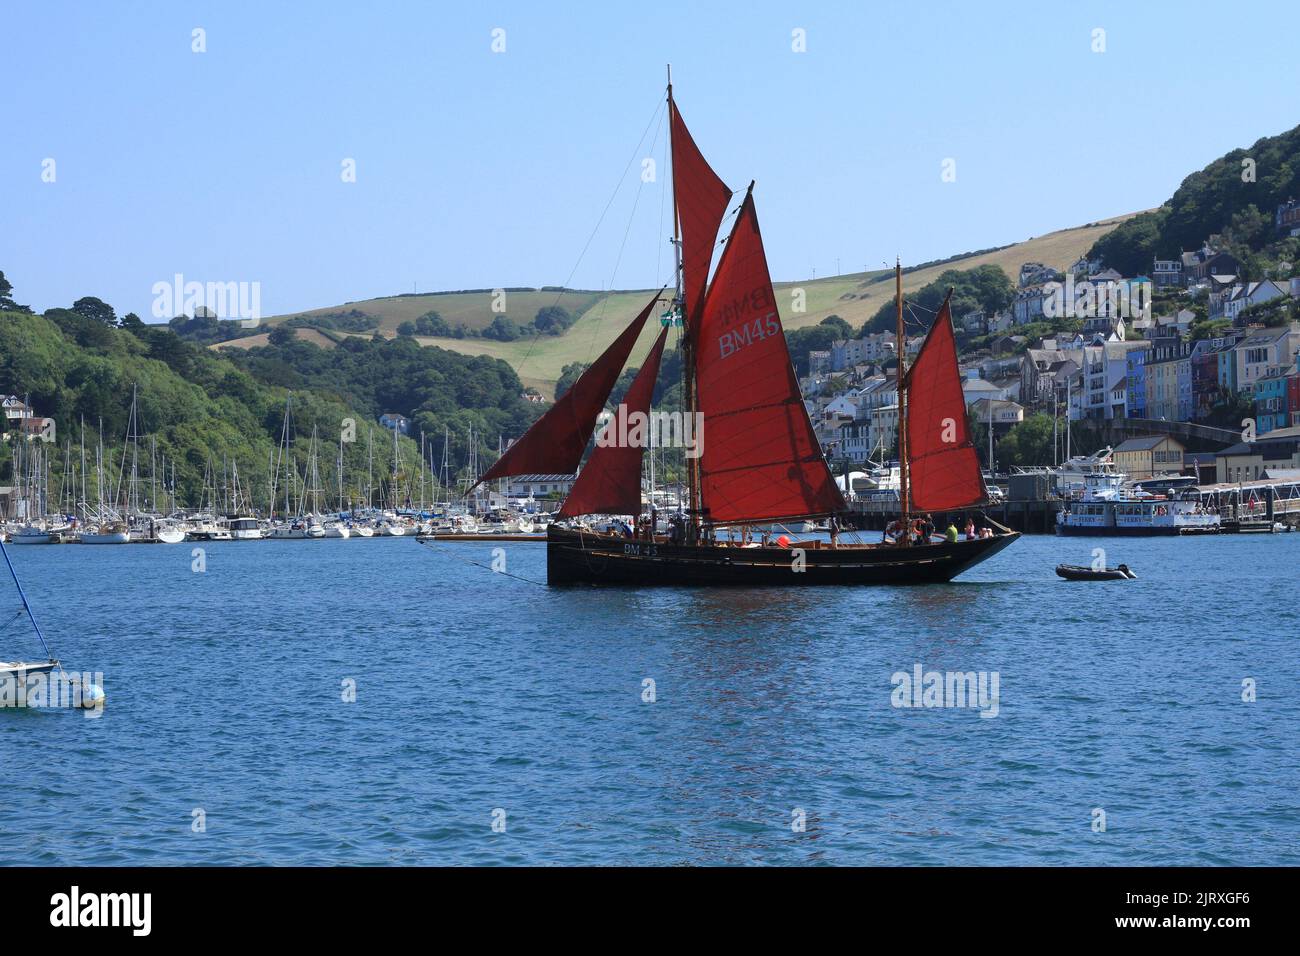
(610, 482)
(702, 200)
(944, 469)
(761, 460)
(556, 441)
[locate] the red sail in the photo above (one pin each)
(944, 470)
(610, 482)
(555, 443)
(702, 200)
(761, 460)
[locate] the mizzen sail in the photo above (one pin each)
(944, 469)
(761, 460)
(610, 482)
(556, 441)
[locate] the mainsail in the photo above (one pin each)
(761, 460)
(702, 200)
(556, 441)
(944, 469)
(610, 482)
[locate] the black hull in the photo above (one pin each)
(574, 557)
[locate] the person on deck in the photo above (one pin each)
(951, 533)
(970, 529)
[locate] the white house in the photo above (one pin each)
(1244, 295)
(539, 486)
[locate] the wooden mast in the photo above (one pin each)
(904, 492)
(693, 509)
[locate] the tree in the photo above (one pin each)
(132, 321)
(1028, 443)
(842, 329)
(7, 304)
(431, 323)
(406, 329)
(553, 320)
(283, 335)
(96, 309)
(985, 288)
(502, 329)
(568, 375)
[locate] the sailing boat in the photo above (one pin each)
(759, 462)
(15, 673)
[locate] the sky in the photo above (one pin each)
(483, 168)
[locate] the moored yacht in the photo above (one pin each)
(33, 534)
(110, 532)
(245, 528)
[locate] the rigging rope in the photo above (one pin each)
(23, 596)
(485, 567)
(661, 105)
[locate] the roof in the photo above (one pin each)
(1141, 444)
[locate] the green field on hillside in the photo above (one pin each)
(539, 360)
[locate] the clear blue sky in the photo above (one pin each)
(477, 169)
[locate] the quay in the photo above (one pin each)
(1246, 507)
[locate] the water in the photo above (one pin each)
(477, 692)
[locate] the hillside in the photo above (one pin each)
(1235, 197)
(204, 408)
(539, 360)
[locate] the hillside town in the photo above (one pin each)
(1194, 342)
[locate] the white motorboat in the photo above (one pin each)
(245, 528)
(208, 529)
(337, 529)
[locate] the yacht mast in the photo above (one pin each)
(904, 493)
(689, 395)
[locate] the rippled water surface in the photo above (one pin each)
(477, 692)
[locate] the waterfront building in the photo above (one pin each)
(1248, 461)
(1142, 458)
(539, 486)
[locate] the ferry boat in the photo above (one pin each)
(1107, 507)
